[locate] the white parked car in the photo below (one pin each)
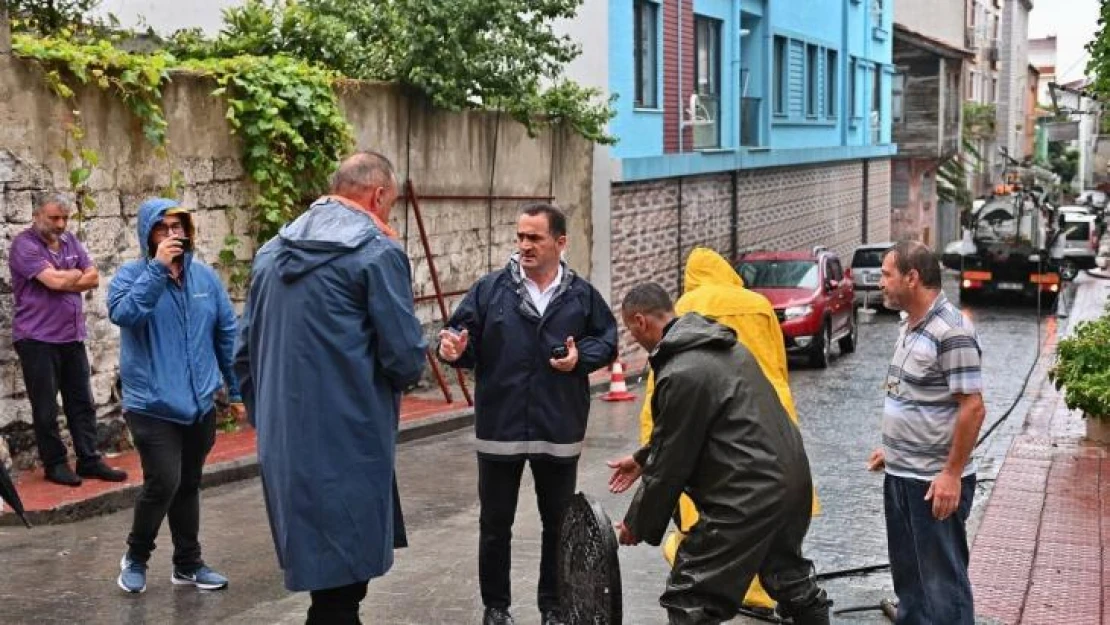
(867, 262)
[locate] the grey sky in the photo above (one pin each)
(1074, 23)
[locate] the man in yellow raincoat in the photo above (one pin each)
(714, 289)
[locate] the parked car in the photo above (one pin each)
(1092, 197)
(867, 264)
(812, 296)
(1077, 246)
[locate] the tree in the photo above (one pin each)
(1062, 162)
(1098, 66)
(48, 17)
(461, 54)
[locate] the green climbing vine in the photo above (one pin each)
(284, 111)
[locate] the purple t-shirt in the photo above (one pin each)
(42, 314)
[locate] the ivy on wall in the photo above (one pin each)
(284, 111)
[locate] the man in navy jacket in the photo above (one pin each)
(532, 331)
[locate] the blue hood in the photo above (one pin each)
(151, 212)
(325, 232)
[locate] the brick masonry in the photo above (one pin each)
(673, 114)
(786, 208)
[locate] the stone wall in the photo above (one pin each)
(442, 153)
(777, 209)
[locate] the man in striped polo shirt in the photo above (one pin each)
(931, 418)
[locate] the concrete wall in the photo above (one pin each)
(442, 153)
(778, 209)
(1013, 61)
(590, 29)
(942, 20)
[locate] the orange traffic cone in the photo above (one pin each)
(618, 390)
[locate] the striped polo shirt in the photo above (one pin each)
(934, 359)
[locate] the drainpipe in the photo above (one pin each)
(734, 238)
(681, 107)
(866, 199)
(680, 272)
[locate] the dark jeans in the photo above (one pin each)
(47, 369)
(173, 456)
(336, 606)
(928, 558)
(498, 489)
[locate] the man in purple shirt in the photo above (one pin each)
(50, 270)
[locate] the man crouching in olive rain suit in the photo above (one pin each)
(722, 437)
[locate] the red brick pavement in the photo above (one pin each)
(39, 495)
(1039, 556)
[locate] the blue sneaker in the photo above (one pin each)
(203, 578)
(132, 575)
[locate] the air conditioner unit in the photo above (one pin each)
(696, 114)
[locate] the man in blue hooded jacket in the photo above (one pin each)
(329, 340)
(177, 340)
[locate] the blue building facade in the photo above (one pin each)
(743, 124)
(774, 83)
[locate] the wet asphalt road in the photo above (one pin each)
(66, 574)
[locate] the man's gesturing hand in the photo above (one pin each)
(625, 473)
(452, 344)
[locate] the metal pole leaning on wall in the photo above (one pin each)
(410, 192)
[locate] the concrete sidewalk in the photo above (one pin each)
(1039, 555)
(234, 457)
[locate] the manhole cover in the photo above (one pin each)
(589, 571)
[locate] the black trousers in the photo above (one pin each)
(173, 456)
(715, 564)
(47, 369)
(498, 489)
(336, 606)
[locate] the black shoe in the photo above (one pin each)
(551, 617)
(102, 471)
(497, 616)
(62, 474)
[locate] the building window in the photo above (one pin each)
(832, 72)
(994, 90)
(781, 76)
(853, 88)
(897, 97)
(877, 105)
(813, 79)
(646, 16)
(707, 77)
(969, 93)
(877, 13)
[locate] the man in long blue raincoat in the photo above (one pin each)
(328, 342)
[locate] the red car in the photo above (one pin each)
(812, 296)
